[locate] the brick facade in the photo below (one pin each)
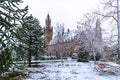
(65, 47)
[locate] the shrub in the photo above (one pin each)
(83, 56)
(42, 58)
(98, 57)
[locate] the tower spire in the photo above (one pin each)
(48, 21)
(98, 23)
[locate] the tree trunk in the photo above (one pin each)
(29, 59)
(95, 59)
(30, 52)
(118, 24)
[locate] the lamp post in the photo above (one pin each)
(118, 25)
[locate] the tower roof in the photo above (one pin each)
(48, 21)
(48, 17)
(98, 23)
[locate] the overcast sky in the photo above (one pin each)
(61, 11)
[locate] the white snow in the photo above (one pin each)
(68, 70)
(113, 64)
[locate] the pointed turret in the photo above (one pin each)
(48, 21)
(98, 24)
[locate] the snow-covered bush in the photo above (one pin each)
(83, 56)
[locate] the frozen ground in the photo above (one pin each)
(69, 70)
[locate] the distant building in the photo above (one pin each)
(98, 31)
(65, 44)
(48, 32)
(98, 37)
(54, 46)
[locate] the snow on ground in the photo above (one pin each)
(68, 70)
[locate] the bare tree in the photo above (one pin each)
(110, 15)
(58, 41)
(87, 34)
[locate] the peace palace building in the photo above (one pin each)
(63, 45)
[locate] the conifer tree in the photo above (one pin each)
(11, 18)
(34, 39)
(83, 55)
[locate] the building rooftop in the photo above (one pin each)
(67, 36)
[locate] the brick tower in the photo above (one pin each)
(48, 32)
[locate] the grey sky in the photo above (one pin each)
(62, 11)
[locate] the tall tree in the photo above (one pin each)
(88, 34)
(110, 16)
(11, 18)
(34, 38)
(59, 34)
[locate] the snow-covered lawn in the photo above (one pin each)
(69, 70)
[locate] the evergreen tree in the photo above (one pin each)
(11, 17)
(34, 39)
(83, 56)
